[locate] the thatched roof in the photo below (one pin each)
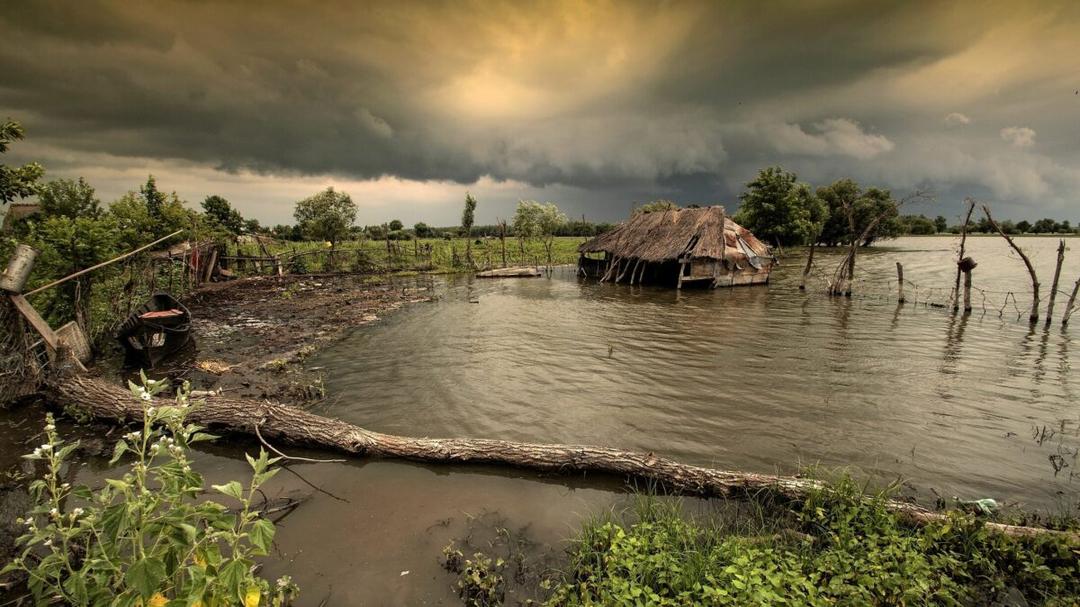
(669, 235)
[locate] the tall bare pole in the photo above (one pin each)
(1054, 285)
(963, 242)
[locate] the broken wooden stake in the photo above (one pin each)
(1054, 285)
(900, 280)
(1072, 302)
(959, 258)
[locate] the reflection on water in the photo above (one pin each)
(755, 379)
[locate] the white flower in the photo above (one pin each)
(65, 485)
(48, 542)
(145, 395)
(77, 511)
(49, 427)
(149, 410)
(45, 447)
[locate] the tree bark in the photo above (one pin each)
(1054, 285)
(1072, 301)
(293, 425)
(809, 265)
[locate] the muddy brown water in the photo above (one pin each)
(758, 379)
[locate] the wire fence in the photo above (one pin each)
(1012, 304)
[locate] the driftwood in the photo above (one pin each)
(1034, 316)
(293, 425)
(509, 273)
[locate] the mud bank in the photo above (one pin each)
(254, 336)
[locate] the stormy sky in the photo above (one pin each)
(593, 105)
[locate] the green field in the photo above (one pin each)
(435, 255)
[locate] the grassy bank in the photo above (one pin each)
(838, 547)
(435, 255)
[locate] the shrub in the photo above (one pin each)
(143, 538)
(850, 549)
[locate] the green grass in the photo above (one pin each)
(834, 548)
(434, 255)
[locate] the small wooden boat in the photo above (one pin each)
(510, 273)
(155, 331)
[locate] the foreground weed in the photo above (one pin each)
(143, 538)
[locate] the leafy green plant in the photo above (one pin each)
(480, 579)
(145, 538)
(845, 547)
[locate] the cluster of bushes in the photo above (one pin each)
(839, 547)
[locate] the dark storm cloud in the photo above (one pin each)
(625, 99)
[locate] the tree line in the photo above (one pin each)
(779, 209)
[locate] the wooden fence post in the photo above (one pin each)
(965, 267)
(900, 280)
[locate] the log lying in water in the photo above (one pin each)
(524, 272)
(293, 425)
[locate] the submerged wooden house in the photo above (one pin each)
(679, 247)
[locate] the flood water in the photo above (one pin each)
(757, 379)
(752, 379)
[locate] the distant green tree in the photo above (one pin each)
(155, 199)
(327, 215)
(941, 224)
(422, 230)
(138, 224)
(918, 225)
(1023, 226)
(282, 232)
(16, 182)
(395, 225)
(847, 202)
(252, 226)
(468, 216)
(222, 215)
(1064, 227)
(779, 209)
(67, 198)
(656, 205)
(1044, 226)
(538, 220)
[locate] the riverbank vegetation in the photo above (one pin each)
(839, 546)
(148, 536)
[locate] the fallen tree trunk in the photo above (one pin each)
(293, 425)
